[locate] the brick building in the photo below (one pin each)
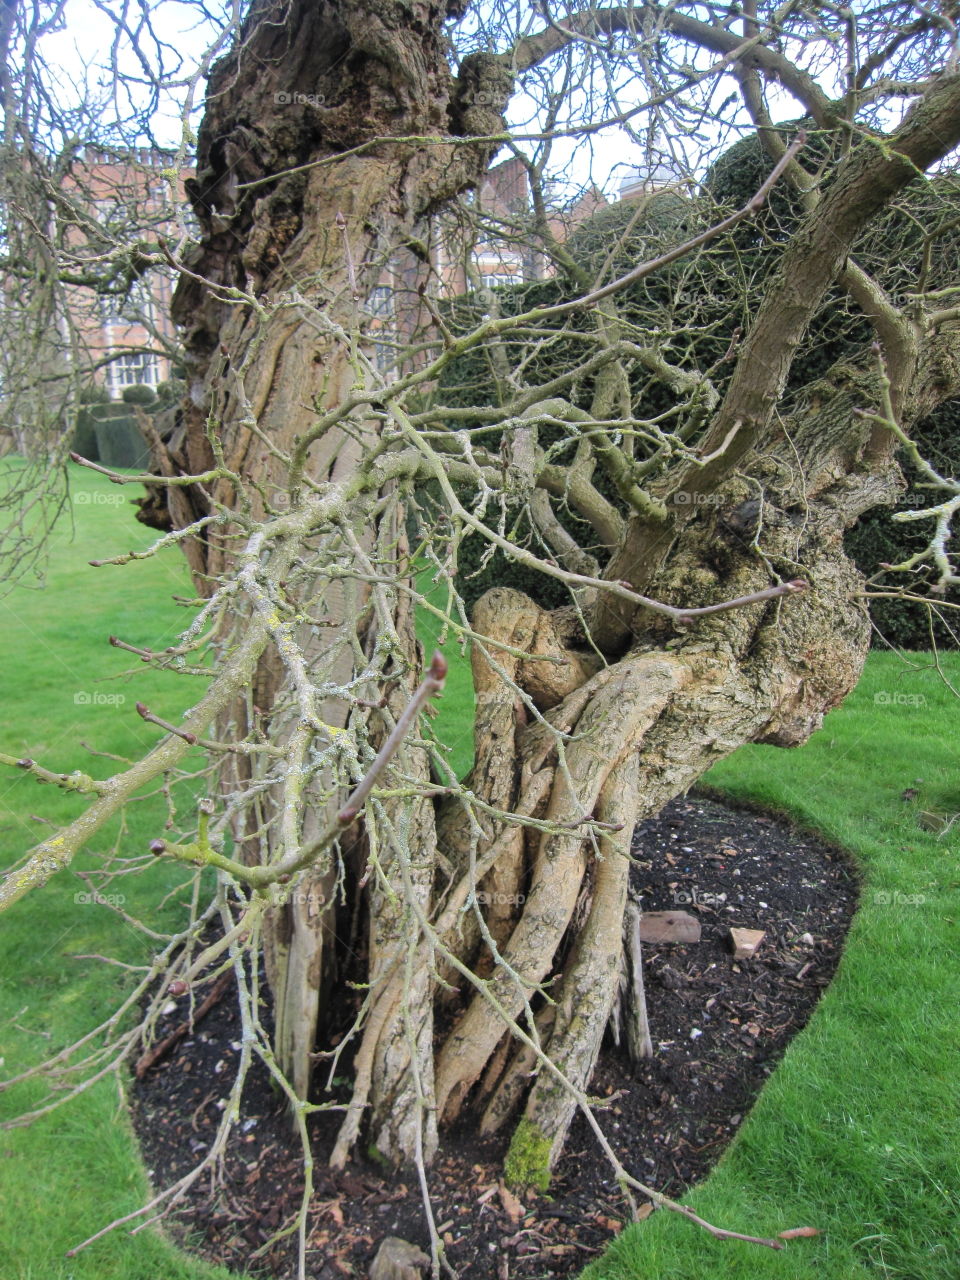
(488, 243)
(128, 336)
(124, 331)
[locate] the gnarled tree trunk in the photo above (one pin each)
(305, 86)
(301, 193)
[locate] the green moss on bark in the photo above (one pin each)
(528, 1160)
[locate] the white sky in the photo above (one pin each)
(83, 51)
(80, 56)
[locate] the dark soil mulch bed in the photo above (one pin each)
(718, 1027)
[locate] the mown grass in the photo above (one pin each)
(453, 722)
(60, 683)
(856, 1131)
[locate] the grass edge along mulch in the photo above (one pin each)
(855, 1133)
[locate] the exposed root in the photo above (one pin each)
(611, 726)
(516, 1079)
(592, 972)
(633, 1003)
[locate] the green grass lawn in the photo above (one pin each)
(453, 723)
(854, 1134)
(62, 684)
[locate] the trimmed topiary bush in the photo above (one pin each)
(171, 391)
(139, 394)
(718, 289)
(94, 393)
(120, 442)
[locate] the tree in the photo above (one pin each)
(77, 234)
(709, 601)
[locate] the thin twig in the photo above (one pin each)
(153, 1056)
(432, 684)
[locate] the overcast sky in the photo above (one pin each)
(80, 57)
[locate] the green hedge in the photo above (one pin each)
(714, 291)
(879, 539)
(106, 430)
(109, 434)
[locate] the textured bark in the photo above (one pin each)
(496, 776)
(402, 1112)
(307, 85)
(592, 973)
(640, 732)
(535, 661)
(563, 735)
(620, 703)
(633, 1023)
(763, 673)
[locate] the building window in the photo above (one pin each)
(190, 222)
(114, 214)
(497, 279)
(133, 368)
(381, 309)
(381, 303)
(110, 307)
(384, 357)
